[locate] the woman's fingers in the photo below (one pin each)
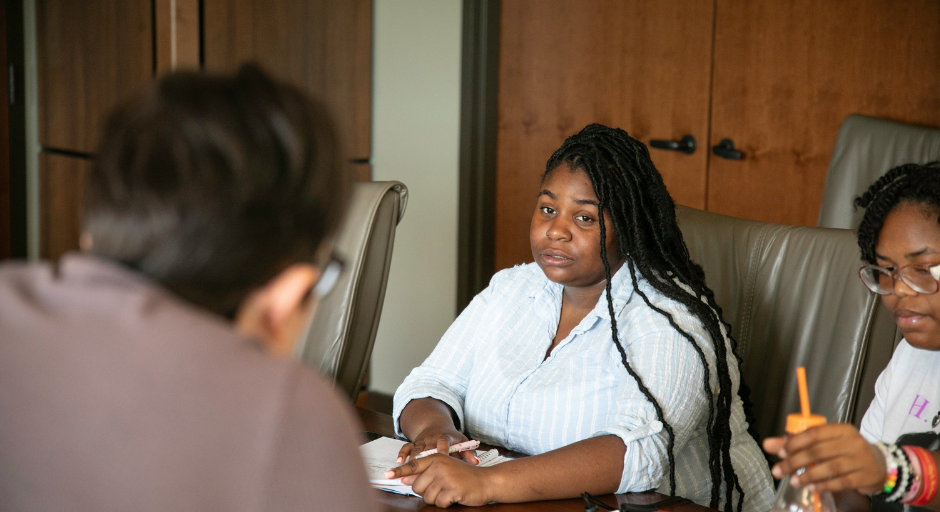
(824, 472)
(443, 445)
(856, 468)
(833, 478)
(404, 452)
(809, 455)
(441, 482)
(816, 435)
(431, 493)
(835, 457)
(774, 445)
(427, 441)
(469, 457)
(820, 444)
(412, 467)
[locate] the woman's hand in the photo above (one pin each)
(433, 438)
(426, 422)
(443, 481)
(836, 456)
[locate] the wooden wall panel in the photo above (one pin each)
(62, 180)
(640, 65)
(323, 46)
(787, 72)
(5, 213)
(91, 54)
(177, 34)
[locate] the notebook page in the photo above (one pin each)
(380, 455)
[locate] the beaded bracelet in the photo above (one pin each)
(899, 473)
(892, 469)
(916, 479)
(929, 478)
(909, 474)
(904, 475)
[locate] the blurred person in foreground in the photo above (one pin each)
(138, 374)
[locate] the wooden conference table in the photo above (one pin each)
(379, 423)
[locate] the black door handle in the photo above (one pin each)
(685, 144)
(725, 149)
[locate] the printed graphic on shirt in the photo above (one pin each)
(922, 409)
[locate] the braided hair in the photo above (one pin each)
(632, 191)
(908, 183)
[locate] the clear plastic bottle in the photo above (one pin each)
(792, 499)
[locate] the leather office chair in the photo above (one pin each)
(793, 298)
(338, 342)
(865, 149)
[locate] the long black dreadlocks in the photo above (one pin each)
(914, 183)
(632, 191)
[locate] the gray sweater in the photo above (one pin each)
(116, 395)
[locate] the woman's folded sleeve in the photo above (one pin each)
(672, 371)
(445, 374)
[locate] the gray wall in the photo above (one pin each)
(415, 135)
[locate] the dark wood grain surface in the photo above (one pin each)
(380, 423)
(91, 55)
(777, 77)
(787, 72)
(176, 24)
(62, 187)
(640, 65)
(5, 214)
(325, 48)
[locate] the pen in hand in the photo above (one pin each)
(459, 447)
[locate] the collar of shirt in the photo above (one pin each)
(549, 293)
(87, 268)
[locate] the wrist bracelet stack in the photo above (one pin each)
(912, 475)
(929, 481)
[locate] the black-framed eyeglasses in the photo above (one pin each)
(920, 278)
(593, 504)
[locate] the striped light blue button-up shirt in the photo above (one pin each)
(489, 368)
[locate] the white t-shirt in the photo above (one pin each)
(907, 398)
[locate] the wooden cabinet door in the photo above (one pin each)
(6, 222)
(640, 65)
(324, 47)
(788, 72)
(62, 191)
(91, 54)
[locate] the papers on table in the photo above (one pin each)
(380, 455)
(491, 458)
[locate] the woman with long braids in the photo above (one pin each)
(606, 360)
(893, 458)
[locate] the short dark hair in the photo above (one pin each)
(907, 183)
(213, 184)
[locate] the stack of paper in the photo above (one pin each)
(380, 456)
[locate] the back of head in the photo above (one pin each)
(212, 185)
(907, 183)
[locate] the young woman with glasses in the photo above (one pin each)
(893, 458)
